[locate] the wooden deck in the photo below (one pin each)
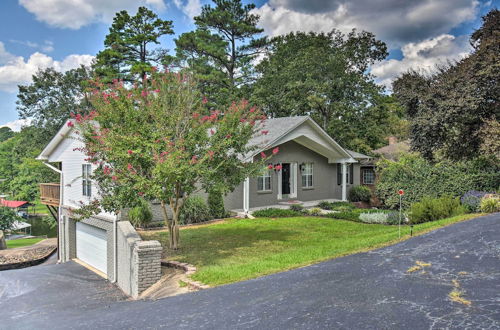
(50, 194)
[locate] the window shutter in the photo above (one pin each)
(351, 173)
(339, 174)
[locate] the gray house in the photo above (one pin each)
(310, 166)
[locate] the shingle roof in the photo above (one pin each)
(276, 127)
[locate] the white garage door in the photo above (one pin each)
(91, 246)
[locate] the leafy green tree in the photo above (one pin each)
(7, 217)
(29, 174)
(52, 96)
(5, 133)
(128, 54)
(154, 142)
(326, 76)
(221, 49)
(447, 110)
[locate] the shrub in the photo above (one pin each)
(352, 215)
(360, 194)
(431, 209)
(472, 199)
(275, 213)
(374, 217)
(140, 215)
(335, 205)
(216, 204)
(316, 211)
(393, 218)
(194, 210)
(296, 207)
(420, 178)
(490, 204)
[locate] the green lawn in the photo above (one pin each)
(22, 242)
(39, 208)
(242, 249)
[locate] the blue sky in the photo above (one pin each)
(65, 33)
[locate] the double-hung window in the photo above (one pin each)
(368, 176)
(307, 175)
(264, 181)
(86, 182)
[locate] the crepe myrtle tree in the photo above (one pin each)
(156, 142)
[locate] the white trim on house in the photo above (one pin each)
(344, 181)
(52, 145)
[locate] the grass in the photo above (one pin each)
(39, 208)
(237, 250)
(22, 242)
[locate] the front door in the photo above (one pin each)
(285, 179)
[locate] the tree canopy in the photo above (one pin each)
(127, 54)
(326, 76)
(449, 110)
(52, 96)
(221, 49)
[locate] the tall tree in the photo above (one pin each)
(324, 75)
(5, 133)
(155, 142)
(52, 96)
(448, 110)
(127, 54)
(221, 49)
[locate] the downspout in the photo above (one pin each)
(115, 250)
(59, 211)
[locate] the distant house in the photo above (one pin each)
(394, 149)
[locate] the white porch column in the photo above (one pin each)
(246, 195)
(344, 181)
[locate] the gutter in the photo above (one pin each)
(59, 212)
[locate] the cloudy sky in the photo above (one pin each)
(36, 34)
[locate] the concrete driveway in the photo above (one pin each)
(371, 290)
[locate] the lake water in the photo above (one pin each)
(40, 227)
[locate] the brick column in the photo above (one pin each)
(146, 264)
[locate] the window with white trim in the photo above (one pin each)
(86, 181)
(368, 176)
(264, 181)
(307, 175)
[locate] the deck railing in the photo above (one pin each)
(50, 193)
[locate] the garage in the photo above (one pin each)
(91, 246)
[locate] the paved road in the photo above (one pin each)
(364, 291)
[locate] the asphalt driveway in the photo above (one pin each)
(372, 290)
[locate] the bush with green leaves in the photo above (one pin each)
(315, 211)
(360, 194)
(275, 213)
(490, 204)
(194, 210)
(393, 218)
(140, 215)
(419, 178)
(336, 205)
(431, 209)
(215, 202)
(297, 208)
(472, 199)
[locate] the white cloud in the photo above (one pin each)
(47, 46)
(396, 22)
(16, 70)
(16, 125)
(190, 8)
(74, 14)
(424, 56)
